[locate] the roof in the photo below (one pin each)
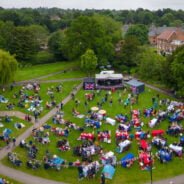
(135, 83)
(109, 76)
(89, 79)
(154, 31)
(107, 72)
(180, 36)
(166, 35)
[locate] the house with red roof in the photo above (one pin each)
(169, 40)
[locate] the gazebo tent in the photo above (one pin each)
(136, 86)
(89, 84)
(108, 171)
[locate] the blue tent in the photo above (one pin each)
(136, 86)
(108, 171)
(126, 158)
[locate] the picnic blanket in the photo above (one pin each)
(157, 132)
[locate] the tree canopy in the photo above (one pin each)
(140, 31)
(90, 32)
(8, 67)
(150, 64)
(23, 44)
(56, 44)
(89, 62)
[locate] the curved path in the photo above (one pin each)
(175, 180)
(18, 175)
(24, 177)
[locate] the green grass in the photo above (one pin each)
(36, 71)
(10, 125)
(69, 74)
(10, 180)
(132, 175)
(67, 87)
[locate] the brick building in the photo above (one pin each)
(169, 40)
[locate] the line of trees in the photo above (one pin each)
(94, 36)
(56, 18)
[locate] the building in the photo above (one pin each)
(108, 80)
(154, 32)
(169, 40)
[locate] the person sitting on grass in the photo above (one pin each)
(7, 119)
(75, 112)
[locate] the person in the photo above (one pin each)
(61, 106)
(102, 181)
(8, 143)
(14, 141)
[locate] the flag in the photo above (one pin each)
(89, 86)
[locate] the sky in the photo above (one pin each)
(96, 4)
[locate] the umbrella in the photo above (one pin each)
(102, 112)
(94, 108)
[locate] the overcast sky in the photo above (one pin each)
(96, 4)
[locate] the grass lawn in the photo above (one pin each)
(68, 74)
(133, 175)
(11, 181)
(35, 71)
(10, 125)
(58, 96)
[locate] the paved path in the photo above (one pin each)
(18, 175)
(175, 180)
(18, 114)
(47, 81)
(24, 177)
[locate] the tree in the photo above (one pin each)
(150, 64)
(23, 44)
(172, 69)
(167, 19)
(6, 34)
(89, 62)
(40, 34)
(90, 33)
(8, 67)
(128, 53)
(56, 44)
(140, 31)
(177, 69)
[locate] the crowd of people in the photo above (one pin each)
(135, 126)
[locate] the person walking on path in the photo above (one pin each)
(14, 141)
(61, 106)
(8, 143)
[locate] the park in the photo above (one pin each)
(100, 120)
(91, 95)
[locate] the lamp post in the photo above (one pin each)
(151, 177)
